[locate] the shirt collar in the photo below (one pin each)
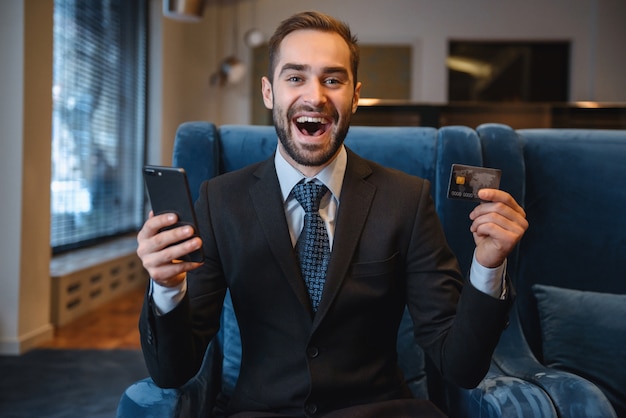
(331, 176)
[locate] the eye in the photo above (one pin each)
(294, 79)
(334, 81)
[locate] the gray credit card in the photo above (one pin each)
(467, 180)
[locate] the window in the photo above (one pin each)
(98, 128)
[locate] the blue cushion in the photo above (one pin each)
(411, 358)
(585, 333)
(244, 145)
(230, 342)
(415, 144)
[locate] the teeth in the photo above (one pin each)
(309, 119)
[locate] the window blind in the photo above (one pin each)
(98, 139)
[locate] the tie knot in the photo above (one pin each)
(309, 195)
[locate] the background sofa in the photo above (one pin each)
(569, 269)
(563, 353)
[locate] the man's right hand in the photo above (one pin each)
(159, 257)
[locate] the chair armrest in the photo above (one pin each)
(196, 398)
(497, 396)
(145, 399)
(572, 395)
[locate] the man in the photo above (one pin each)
(330, 353)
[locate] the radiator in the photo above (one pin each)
(84, 281)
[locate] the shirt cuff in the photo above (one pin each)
(491, 281)
(165, 299)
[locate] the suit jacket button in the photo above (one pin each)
(310, 409)
(312, 352)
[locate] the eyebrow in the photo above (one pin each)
(303, 67)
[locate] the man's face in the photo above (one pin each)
(312, 97)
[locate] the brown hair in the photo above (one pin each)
(315, 21)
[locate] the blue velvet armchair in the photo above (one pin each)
(206, 151)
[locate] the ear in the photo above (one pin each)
(356, 96)
(268, 95)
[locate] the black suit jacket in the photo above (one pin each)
(389, 250)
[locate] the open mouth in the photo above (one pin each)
(312, 126)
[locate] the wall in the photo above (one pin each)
(183, 56)
(25, 117)
(607, 59)
(11, 47)
(595, 28)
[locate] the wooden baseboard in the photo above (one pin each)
(28, 341)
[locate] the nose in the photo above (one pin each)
(314, 93)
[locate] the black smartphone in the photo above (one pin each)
(168, 190)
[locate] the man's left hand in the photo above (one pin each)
(499, 223)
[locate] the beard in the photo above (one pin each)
(311, 155)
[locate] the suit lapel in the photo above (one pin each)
(356, 199)
(267, 200)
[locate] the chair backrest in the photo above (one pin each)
(205, 151)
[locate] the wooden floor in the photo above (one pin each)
(112, 325)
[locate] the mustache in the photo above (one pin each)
(328, 111)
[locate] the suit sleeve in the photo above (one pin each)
(174, 344)
(457, 325)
